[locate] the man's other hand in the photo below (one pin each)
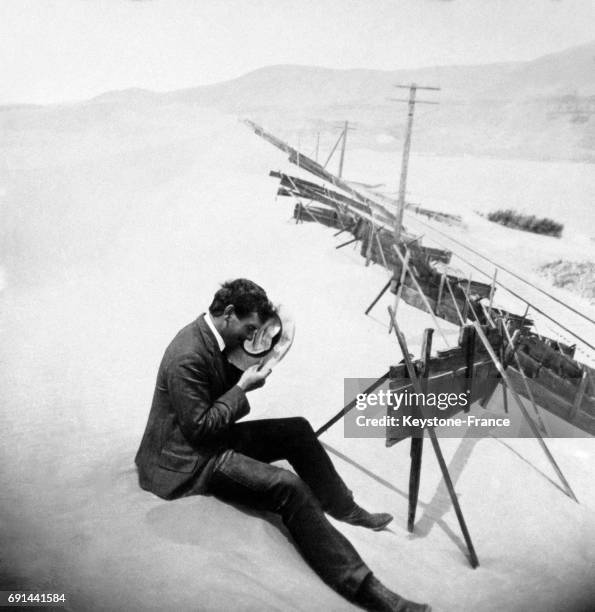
(253, 378)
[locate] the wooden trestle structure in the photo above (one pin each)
(541, 369)
(495, 347)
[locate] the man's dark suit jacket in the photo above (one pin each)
(196, 399)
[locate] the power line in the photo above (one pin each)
(536, 308)
(524, 280)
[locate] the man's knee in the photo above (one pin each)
(301, 426)
(288, 481)
(291, 491)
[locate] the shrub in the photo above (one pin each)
(527, 223)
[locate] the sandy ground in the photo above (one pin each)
(114, 239)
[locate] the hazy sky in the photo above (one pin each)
(55, 50)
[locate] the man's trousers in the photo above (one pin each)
(242, 475)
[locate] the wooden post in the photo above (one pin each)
(486, 311)
(469, 347)
(526, 314)
(578, 398)
(328, 159)
(466, 305)
(454, 300)
(493, 290)
(344, 244)
(524, 412)
(406, 149)
(370, 244)
(401, 282)
(440, 289)
(342, 158)
(511, 342)
(502, 381)
(379, 243)
(417, 443)
(423, 297)
(504, 396)
(434, 440)
(382, 292)
(404, 165)
(417, 447)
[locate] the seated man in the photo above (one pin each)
(193, 445)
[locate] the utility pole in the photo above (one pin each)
(342, 158)
(317, 145)
(342, 138)
(406, 148)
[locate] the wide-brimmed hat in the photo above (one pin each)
(269, 344)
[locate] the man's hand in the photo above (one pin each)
(253, 378)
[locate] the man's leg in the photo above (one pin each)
(294, 439)
(237, 478)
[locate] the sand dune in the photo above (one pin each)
(116, 234)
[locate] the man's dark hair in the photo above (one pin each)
(245, 296)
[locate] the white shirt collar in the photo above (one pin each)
(209, 322)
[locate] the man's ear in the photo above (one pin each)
(228, 311)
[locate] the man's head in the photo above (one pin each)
(238, 309)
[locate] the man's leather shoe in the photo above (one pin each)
(375, 597)
(360, 517)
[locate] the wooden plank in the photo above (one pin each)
(294, 185)
(351, 405)
(583, 417)
(565, 387)
(549, 357)
(344, 244)
(377, 298)
(450, 381)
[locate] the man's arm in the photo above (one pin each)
(201, 416)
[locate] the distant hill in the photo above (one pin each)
(541, 109)
(567, 72)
